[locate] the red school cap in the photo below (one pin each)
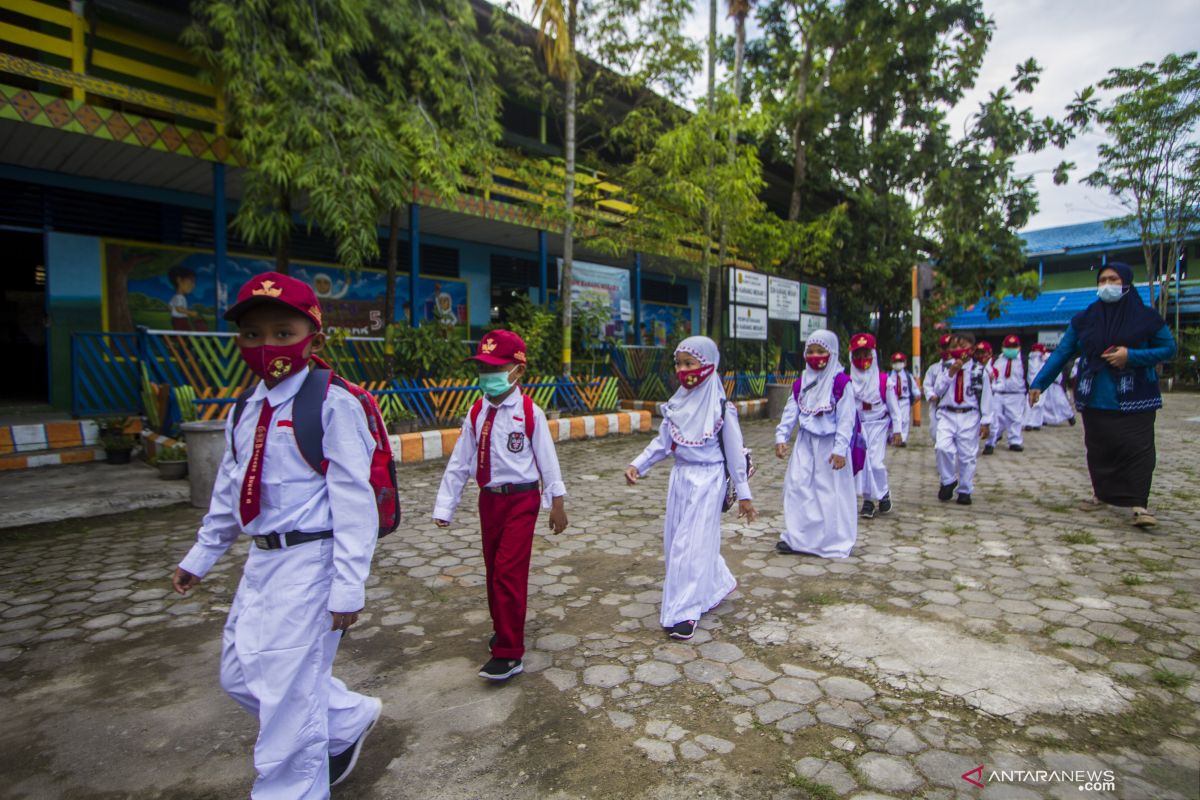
(860, 340)
(1012, 340)
(272, 287)
(984, 346)
(944, 341)
(501, 347)
(899, 357)
(1038, 348)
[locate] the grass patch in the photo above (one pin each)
(1106, 640)
(950, 530)
(1077, 537)
(1132, 579)
(819, 599)
(813, 790)
(1155, 565)
(1169, 680)
(1063, 583)
(1057, 508)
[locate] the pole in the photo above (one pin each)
(219, 239)
(916, 340)
(1178, 294)
(414, 260)
(543, 257)
(637, 298)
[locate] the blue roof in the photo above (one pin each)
(1084, 236)
(1049, 309)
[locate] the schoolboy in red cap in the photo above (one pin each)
(506, 443)
(877, 409)
(901, 384)
(1010, 387)
(931, 378)
(314, 534)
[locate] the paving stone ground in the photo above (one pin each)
(1019, 635)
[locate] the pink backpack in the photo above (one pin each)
(310, 434)
(858, 444)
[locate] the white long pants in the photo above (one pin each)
(932, 410)
(904, 423)
(697, 577)
(1035, 415)
(1057, 404)
(872, 482)
(958, 448)
(1010, 418)
(277, 663)
(819, 506)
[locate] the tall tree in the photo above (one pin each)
(1151, 161)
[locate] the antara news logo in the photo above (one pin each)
(1086, 779)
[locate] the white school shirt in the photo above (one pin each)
(931, 378)
(906, 390)
(974, 375)
(888, 408)
(838, 423)
(294, 496)
(513, 460)
(707, 453)
(179, 302)
(1014, 384)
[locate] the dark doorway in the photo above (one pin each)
(23, 315)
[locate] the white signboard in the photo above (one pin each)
(1050, 338)
(747, 322)
(810, 323)
(784, 300)
(747, 288)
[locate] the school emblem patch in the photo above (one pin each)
(516, 442)
(280, 367)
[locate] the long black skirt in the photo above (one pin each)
(1120, 455)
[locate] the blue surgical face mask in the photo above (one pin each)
(1110, 292)
(1011, 352)
(494, 384)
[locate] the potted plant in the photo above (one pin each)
(172, 462)
(117, 441)
(401, 420)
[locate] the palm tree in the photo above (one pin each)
(739, 10)
(556, 34)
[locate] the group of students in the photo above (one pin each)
(314, 519)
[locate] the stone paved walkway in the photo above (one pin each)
(1017, 635)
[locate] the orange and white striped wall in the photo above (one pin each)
(413, 448)
(49, 444)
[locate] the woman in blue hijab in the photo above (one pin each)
(1121, 341)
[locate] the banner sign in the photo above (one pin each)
(784, 300)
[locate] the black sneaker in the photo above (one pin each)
(964, 499)
(987, 451)
(783, 548)
(904, 444)
(885, 505)
(684, 630)
(500, 669)
(1016, 448)
(491, 643)
(341, 765)
(1071, 422)
(868, 510)
(947, 491)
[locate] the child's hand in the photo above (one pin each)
(441, 523)
(558, 516)
(837, 462)
(781, 451)
(631, 475)
(895, 440)
(933, 398)
(183, 581)
(747, 511)
(342, 620)
(985, 431)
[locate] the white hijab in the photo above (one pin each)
(694, 415)
(866, 381)
(816, 396)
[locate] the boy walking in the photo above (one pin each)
(931, 378)
(901, 385)
(314, 534)
(505, 442)
(964, 414)
(877, 409)
(1011, 387)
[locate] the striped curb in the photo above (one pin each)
(413, 448)
(68, 435)
(80, 455)
(152, 441)
(747, 409)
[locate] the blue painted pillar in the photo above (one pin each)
(220, 243)
(637, 298)
(543, 259)
(414, 250)
(1041, 271)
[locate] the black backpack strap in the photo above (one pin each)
(307, 421)
(238, 408)
(721, 433)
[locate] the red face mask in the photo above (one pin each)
(272, 362)
(864, 362)
(691, 378)
(817, 362)
(959, 352)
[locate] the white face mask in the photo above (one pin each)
(1110, 292)
(897, 368)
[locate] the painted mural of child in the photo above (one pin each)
(183, 280)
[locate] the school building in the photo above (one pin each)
(118, 182)
(1067, 259)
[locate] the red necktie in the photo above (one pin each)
(1008, 369)
(483, 465)
(958, 388)
(251, 498)
(898, 376)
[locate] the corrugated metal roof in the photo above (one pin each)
(1048, 309)
(1076, 237)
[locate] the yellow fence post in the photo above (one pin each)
(78, 47)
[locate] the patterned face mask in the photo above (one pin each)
(691, 378)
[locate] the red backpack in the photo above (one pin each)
(310, 434)
(528, 405)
